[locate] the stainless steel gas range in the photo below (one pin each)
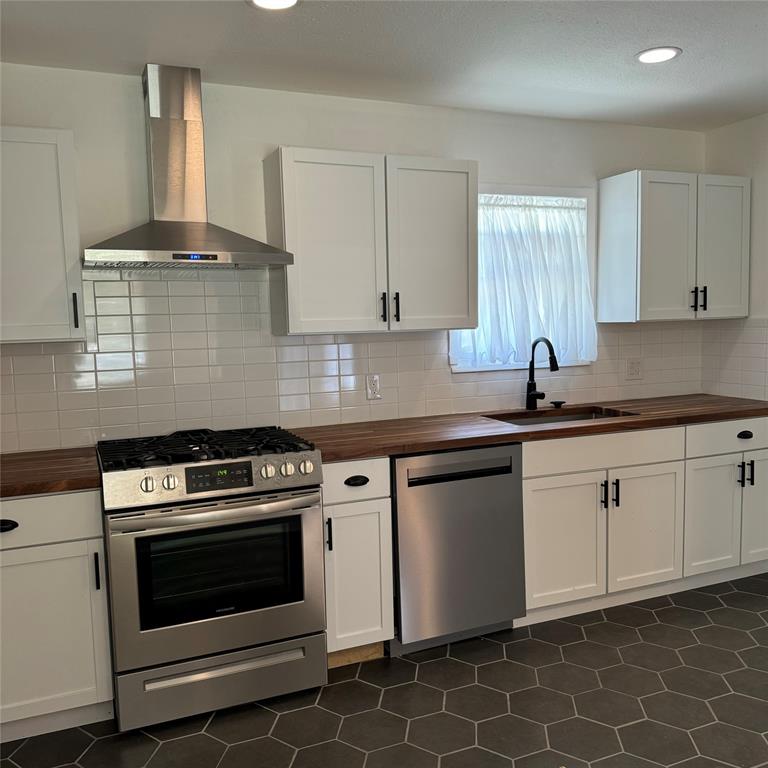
(215, 562)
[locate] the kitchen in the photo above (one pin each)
(396, 548)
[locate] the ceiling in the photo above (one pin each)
(571, 59)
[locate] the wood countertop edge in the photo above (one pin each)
(68, 470)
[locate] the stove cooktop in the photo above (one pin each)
(195, 445)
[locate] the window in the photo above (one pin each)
(533, 280)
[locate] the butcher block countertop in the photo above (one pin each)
(33, 472)
(28, 473)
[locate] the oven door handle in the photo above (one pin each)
(183, 517)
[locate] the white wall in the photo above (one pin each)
(244, 124)
(235, 377)
(735, 358)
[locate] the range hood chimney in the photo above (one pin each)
(178, 234)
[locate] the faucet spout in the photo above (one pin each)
(532, 395)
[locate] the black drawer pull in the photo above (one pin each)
(384, 306)
(97, 570)
(617, 493)
(397, 306)
(357, 480)
(704, 298)
(75, 314)
(742, 478)
(745, 434)
(329, 526)
(7, 525)
(751, 477)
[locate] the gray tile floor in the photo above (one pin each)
(673, 681)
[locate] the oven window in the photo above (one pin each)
(219, 571)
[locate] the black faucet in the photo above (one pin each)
(531, 393)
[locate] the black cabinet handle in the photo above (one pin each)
(695, 304)
(397, 306)
(745, 434)
(7, 525)
(704, 298)
(617, 493)
(75, 313)
(329, 526)
(357, 480)
(384, 306)
(96, 570)
(751, 478)
(604, 494)
(742, 479)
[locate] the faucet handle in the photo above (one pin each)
(557, 403)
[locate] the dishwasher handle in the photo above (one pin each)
(457, 473)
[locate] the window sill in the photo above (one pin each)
(516, 367)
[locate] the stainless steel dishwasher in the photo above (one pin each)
(460, 564)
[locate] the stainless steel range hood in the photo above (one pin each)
(179, 234)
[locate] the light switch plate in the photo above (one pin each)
(372, 387)
(634, 369)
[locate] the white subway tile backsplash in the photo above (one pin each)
(204, 355)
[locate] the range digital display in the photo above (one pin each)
(196, 256)
(217, 477)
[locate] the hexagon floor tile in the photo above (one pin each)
(679, 680)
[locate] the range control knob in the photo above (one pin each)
(287, 469)
(306, 467)
(147, 484)
(170, 482)
(267, 471)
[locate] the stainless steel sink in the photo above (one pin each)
(557, 415)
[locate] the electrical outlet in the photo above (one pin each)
(372, 386)
(634, 369)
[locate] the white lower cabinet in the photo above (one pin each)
(645, 525)
(54, 652)
(564, 534)
(358, 573)
(712, 513)
(754, 514)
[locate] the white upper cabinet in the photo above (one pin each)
(334, 222)
(374, 250)
(40, 248)
(672, 246)
(432, 237)
(723, 245)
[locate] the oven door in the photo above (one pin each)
(187, 582)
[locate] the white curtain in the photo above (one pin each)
(533, 280)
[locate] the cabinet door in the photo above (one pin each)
(564, 538)
(55, 639)
(358, 573)
(645, 525)
(432, 242)
(712, 514)
(667, 247)
(754, 520)
(722, 264)
(40, 248)
(334, 219)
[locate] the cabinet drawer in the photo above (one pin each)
(723, 437)
(355, 480)
(51, 518)
(620, 449)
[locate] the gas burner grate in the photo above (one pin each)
(193, 445)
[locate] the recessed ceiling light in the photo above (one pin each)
(272, 5)
(659, 54)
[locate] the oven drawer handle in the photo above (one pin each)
(281, 657)
(184, 517)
